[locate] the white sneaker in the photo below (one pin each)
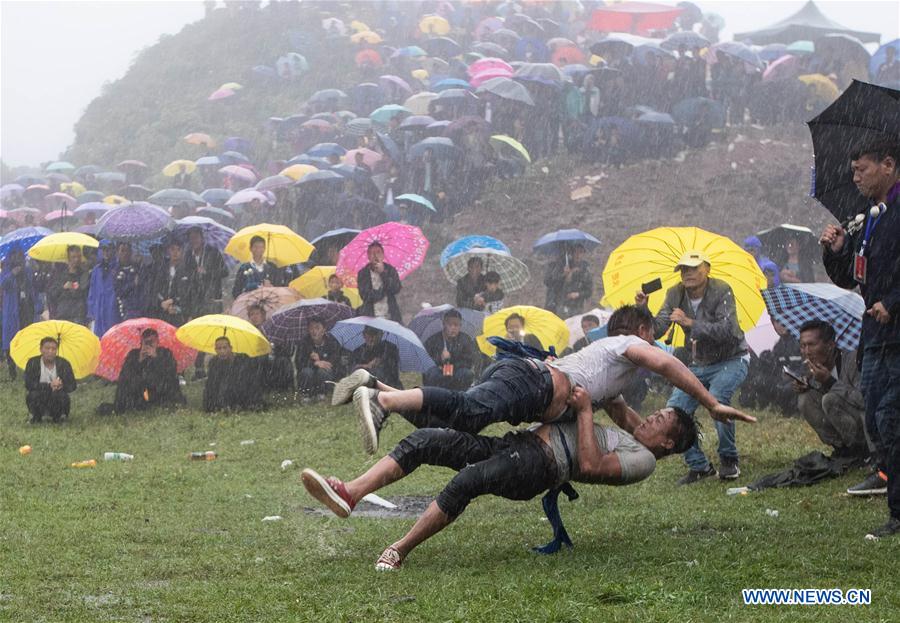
(343, 389)
(371, 416)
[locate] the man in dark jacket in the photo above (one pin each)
(714, 347)
(569, 283)
(379, 285)
(230, 386)
(49, 381)
(868, 256)
(149, 377)
(258, 272)
(318, 360)
(68, 289)
(470, 284)
(381, 359)
(206, 267)
(20, 300)
(129, 297)
(173, 293)
(454, 354)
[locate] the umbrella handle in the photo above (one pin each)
(671, 335)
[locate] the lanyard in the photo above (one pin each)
(871, 223)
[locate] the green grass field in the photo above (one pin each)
(166, 539)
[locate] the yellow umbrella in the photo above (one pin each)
(284, 247)
(199, 138)
(234, 86)
(822, 87)
(313, 284)
(298, 171)
(77, 345)
(72, 188)
(201, 334)
(546, 326)
(55, 247)
(419, 74)
(179, 166)
(358, 26)
(654, 254)
(115, 200)
(366, 36)
(434, 25)
(501, 141)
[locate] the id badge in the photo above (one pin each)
(859, 268)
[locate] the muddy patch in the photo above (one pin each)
(408, 506)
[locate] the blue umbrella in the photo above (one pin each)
(216, 196)
(417, 199)
(688, 38)
(233, 157)
(450, 83)
(90, 196)
(9, 190)
(319, 163)
(208, 161)
(880, 55)
(413, 357)
(739, 51)
(236, 143)
(441, 147)
(23, 239)
(390, 147)
(430, 321)
(324, 150)
(97, 208)
(326, 176)
(409, 51)
(701, 111)
(174, 196)
(794, 304)
(214, 233)
(387, 112)
(468, 243)
(217, 214)
(555, 242)
(336, 236)
(29, 180)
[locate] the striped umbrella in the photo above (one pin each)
(513, 272)
(796, 303)
(288, 325)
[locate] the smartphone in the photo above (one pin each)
(651, 286)
(791, 374)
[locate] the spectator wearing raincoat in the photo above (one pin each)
(20, 305)
(102, 304)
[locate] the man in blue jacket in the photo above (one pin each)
(867, 255)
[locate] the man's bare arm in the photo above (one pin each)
(594, 465)
(624, 416)
(664, 364)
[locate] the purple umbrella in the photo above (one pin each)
(288, 325)
(216, 214)
(135, 222)
(8, 190)
(395, 81)
(95, 208)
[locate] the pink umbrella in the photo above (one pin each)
(239, 173)
(783, 68)
(370, 158)
(58, 214)
(22, 215)
(762, 337)
(36, 190)
(220, 94)
(489, 63)
(489, 74)
(405, 247)
(270, 299)
(56, 200)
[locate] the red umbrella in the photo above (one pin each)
(567, 55)
(368, 57)
(126, 336)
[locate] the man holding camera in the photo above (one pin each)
(715, 349)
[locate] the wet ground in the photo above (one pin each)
(408, 506)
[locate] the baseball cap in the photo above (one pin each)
(692, 259)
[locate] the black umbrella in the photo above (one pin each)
(862, 114)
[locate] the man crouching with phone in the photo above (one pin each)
(830, 399)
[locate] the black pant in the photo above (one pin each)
(312, 380)
(43, 402)
(517, 466)
(460, 379)
(510, 390)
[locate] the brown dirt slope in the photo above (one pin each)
(754, 179)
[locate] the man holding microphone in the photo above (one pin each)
(714, 349)
(867, 255)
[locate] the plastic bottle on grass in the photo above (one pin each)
(203, 456)
(25, 450)
(117, 456)
(88, 463)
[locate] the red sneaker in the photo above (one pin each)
(390, 560)
(329, 491)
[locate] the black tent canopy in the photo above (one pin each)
(807, 23)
